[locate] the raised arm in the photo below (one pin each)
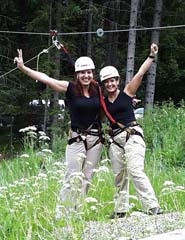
(60, 86)
(132, 87)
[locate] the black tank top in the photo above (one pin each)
(84, 111)
(121, 109)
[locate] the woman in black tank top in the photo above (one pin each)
(84, 146)
(127, 147)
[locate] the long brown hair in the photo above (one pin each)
(93, 90)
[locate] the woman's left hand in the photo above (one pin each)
(153, 49)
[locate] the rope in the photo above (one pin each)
(37, 56)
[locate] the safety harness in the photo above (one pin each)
(82, 136)
(128, 127)
(129, 130)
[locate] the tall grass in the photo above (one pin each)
(30, 183)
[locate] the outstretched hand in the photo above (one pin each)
(153, 49)
(135, 101)
(19, 59)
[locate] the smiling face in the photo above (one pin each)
(85, 77)
(111, 85)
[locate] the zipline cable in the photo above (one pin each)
(95, 32)
(100, 32)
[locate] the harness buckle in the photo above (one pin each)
(130, 131)
(83, 137)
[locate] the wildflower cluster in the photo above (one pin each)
(33, 138)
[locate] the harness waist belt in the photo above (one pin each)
(114, 132)
(75, 139)
(83, 138)
(92, 131)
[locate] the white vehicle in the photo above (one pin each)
(139, 113)
(37, 102)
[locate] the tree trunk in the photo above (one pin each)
(56, 59)
(151, 76)
(112, 58)
(45, 120)
(89, 36)
(132, 40)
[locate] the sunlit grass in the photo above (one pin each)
(31, 182)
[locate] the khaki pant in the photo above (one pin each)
(128, 162)
(80, 165)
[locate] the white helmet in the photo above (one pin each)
(84, 63)
(108, 72)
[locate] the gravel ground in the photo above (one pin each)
(134, 227)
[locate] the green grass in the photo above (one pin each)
(30, 183)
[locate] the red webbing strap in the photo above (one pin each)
(61, 47)
(104, 105)
(109, 116)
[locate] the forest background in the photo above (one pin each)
(35, 173)
(115, 33)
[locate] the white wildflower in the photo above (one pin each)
(77, 174)
(123, 238)
(39, 153)
(25, 180)
(58, 164)
(35, 185)
(32, 134)
(47, 150)
(32, 128)
(168, 183)
(42, 175)
(11, 185)
(27, 129)
(25, 155)
(164, 190)
(101, 180)
(93, 208)
(21, 183)
(42, 133)
(16, 182)
(3, 188)
(132, 205)
(91, 200)
(59, 172)
(103, 169)
(106, 160)
(66, 185)
(45, 138)
(22, 130)
(180, 188)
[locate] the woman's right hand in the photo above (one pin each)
(19, 59)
